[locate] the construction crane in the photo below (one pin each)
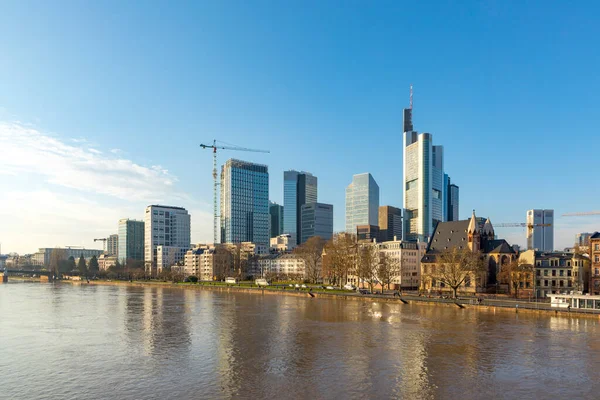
(214, 148)
(519, 225)
(103, 240)
(581, 214)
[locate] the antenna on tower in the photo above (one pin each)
(411, 92)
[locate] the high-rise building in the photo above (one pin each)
(299, 188)
(275, 219)
(423, 177)
(540, 230)
(583, 239)
(131, 240)
(112, 245)
(452, 206)
(245, 203)
(164, 226)
(316, 220)
(362, 202)
(390, 223)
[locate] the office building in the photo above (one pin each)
(131, 240)
(390, 223)
(423, 180)
(316, 220)
(594, 249)
(200, 262)
(164, 226)
(299, 188)
(42, 256)
(540, 230)
(367, 233)
(582, 241)
(451, 195)
(169, 256)
(245, 203)
(112, 245)
(275, 219)
(362, 202)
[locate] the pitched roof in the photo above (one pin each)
(596, 235)
(447, 235)
(497, 246)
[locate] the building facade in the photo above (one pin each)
(168, 256)
(164, 226)
(131, 240)
(281, 244)
(106, 261)
(112, 245)
(406, 258)
(540, 230)
(200, 262)
(280, 266)
(390, 223)
(275, 219)
(452, 206)
(245, 203)
(594, 252)
(362, 202)
(299, 188)
(367, 233)
(425, 199)
(42, 256)
(316, 220)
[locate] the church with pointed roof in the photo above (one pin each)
(476, 236)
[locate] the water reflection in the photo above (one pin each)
(154, 342)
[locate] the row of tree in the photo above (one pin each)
(60, 264)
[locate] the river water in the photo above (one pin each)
(62, 341)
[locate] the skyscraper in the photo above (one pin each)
(131, 240)
(362, 202)
(168, 227)
(390, 223)
(423, 178)
(112, 245)
(299, 188)
(452, 201)
(275, 219)
(316, 220)
(245, 203)
(540, 230)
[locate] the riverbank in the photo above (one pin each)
(486, 305)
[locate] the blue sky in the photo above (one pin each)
(103, 105)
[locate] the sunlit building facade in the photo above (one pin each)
(362, 202)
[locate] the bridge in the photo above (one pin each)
(44, 275)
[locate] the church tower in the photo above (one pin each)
(473, 234)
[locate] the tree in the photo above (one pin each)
(56, 257)
(81, 266)
(516, 274)
(94, 265)
(367, 264)
(387, 269)
(192, 278)
(71, 264)
(455, 267)
(311, 252)
(341, 253)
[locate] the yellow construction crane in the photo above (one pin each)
(214, 148)
(519, 225)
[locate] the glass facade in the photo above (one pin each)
(276, 219)
(299, 188)
(317, 220)
(245, 203)
(131, 240)
(362, 202)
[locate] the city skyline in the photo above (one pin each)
(83, 142)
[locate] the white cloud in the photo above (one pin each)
(26, 150)
(116, 151)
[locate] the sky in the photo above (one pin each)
(103, 106)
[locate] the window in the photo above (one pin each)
(597, 247)
(545, 272)
(562, 272)
(553, 272)
(537, 273)
(537, 283)
(545, 282)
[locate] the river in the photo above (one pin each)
(64, 341)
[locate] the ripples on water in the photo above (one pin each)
(97, 342)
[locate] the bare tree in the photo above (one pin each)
(455, 267)
(341, 253)
(311, 252)
(367, 265)
(57, 257)
(516, 274)
(387, 268)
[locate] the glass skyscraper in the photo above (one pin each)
(299, 188)
(131, 240)
(425, 184)
(245, 203)
(276, 219)
(362, 202)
